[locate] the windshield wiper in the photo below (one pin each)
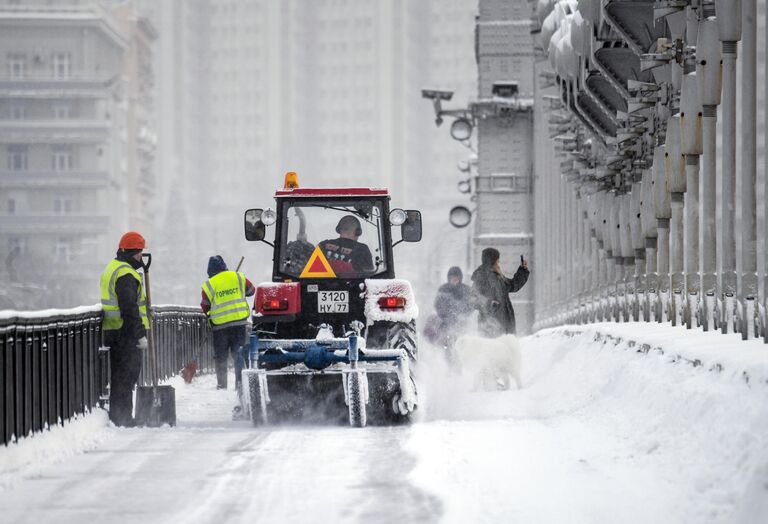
(345, 210)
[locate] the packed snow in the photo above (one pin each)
(614, 423)
(6, 314)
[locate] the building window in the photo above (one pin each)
(17, 246)
(17, 113)
(17, 65)
(62, 205)
(61, 65)
(62, 158)
(17, 158)
(11, 206)
(62, 250)
(61, 112)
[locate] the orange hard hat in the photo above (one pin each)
(132, 240)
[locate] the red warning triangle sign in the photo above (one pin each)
(317, 266)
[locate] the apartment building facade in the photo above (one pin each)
(67, 147)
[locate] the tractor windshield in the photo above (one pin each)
(350, 236)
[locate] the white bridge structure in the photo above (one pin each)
(637, 211)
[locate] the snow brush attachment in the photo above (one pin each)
(290, 378)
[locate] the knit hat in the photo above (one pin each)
(216, 265)
(455, 271)
(132, 240)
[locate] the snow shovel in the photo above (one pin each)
(155, 405)
(190, 369)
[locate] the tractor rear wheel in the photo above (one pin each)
(385, 389)
(402, 335)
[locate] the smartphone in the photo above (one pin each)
(522, 260)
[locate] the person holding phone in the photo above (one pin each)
(490, 293)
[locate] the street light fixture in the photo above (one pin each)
(460, 217)
(461, 129)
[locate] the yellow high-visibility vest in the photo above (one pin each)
(112, 318)
(226, 293)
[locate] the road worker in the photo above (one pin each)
(224, 300)
(124, 325)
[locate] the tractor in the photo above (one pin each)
(334, 333)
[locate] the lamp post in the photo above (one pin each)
(748, 175)
(729, 34)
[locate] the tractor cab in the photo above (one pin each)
(327, 243)
(335, 331)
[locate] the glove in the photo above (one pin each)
(142, 344)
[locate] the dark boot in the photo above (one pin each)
(221, 375)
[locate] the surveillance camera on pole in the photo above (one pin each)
(437, 96)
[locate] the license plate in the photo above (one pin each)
(333, 301)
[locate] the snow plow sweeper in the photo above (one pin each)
(334, 332)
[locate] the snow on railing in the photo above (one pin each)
(53, 365)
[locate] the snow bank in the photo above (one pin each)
(713, 351)
(615, 423)
(31, 455)
(44, 313)
(378, 288)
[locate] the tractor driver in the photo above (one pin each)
(345, 254)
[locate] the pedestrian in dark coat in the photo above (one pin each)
(491, 289)
(452, 302)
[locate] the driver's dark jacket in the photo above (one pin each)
(347, 256)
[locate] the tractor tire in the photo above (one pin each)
(356, 400)
(403, 336)
(257, 400)
(384, 392)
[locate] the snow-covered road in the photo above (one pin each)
(599, 433)
(211, 469)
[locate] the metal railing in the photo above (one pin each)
(53, 365)
(182, 334)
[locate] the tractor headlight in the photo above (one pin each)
(268, 217)
(397, 217)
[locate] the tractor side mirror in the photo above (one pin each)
(410, 231)
(254, 228)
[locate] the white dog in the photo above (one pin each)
(490, 362)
